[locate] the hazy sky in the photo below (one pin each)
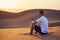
(30, 4)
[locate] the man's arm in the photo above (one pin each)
(32, 27)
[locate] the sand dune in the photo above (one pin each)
(23, 19)
(13, 26)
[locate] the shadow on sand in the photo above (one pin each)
(49, 36)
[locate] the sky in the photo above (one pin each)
(8, 5)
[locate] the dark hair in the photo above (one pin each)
(41, 12)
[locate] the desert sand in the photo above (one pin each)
(13, 26)
(22, 34)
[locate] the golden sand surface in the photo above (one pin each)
(18, 34)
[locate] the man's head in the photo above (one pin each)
(41, 13)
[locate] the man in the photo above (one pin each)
(40, 25)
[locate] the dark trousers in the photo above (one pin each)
(38, 29)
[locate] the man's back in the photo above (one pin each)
(43, 24)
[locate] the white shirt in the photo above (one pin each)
(43, 24)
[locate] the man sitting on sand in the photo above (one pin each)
(40, 25)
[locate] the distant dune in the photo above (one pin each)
(23, 19)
